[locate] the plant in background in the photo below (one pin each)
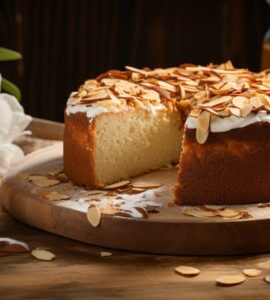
(13, 120)
(6, 85)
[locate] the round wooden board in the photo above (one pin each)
(166, 232)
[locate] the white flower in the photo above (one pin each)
(13, 122)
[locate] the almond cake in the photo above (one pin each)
(215, 118)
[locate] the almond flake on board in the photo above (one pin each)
(94, 192)
(199, 213)
(228, 213)
(117, 185)
(145, 185)
(105, 254)
(43, 255)
(252, 272)
(55, 196)
(93, 215)
(187, 271)
(230, 280)
(214, 207)
(42, 181)
(267, 279)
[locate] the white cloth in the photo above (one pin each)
(13, 122)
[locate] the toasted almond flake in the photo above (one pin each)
(199, 213)
(214, 207)
(195, 112)
(117, 185)
(218, 101)
(143, 72)
(166, 86)
(240, 101)
(235, 111)
(225, 112)
(237, 217)
(43, 255)
(145, 184)
(230, 280)
(55, 196)
(187, 271)
(42, 181)
(228, 213)
(252, 272)
(201, 136)
(94, 215)
(267, 279)
(204, 121)
(94, 192)
(105, 254)
(247, 109)
(56, 171)
(109, 210)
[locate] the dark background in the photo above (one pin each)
(64, 42)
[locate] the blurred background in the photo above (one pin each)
(64, 42)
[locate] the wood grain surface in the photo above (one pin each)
(167, 232)
(78, 272)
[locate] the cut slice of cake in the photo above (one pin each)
(120, 145)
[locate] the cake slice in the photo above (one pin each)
(120, 145)
(120, 126)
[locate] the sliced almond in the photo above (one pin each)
(195, 112)
(94, 192)
(55, 196)
(105, 254)
(109, 210)
(235, 111)
(42, 181)
(117, 185)
(230, 280)
(187, 271)
(246, 109)
(43, 255)
(252, 272)
(204, 121)
(199, 213)
(240, 101)
(228, 213)
(267, 279)
(218, 101)
(94, 215)
(201, 136)
(145, 185)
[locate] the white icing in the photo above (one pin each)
(231, 122)
(96, 109)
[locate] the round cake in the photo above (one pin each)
(212, 120)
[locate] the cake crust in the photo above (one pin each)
(79, 164)
(233, 167)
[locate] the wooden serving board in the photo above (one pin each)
(167, 232)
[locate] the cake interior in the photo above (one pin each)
(133, 143)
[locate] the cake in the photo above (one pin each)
(215, 118)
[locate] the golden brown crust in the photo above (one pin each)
(79, 146)
(231, 168)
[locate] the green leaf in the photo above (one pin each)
(11, 88)
(7, 54)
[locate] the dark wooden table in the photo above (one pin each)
(78, 272)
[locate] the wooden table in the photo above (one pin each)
(79, 272)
